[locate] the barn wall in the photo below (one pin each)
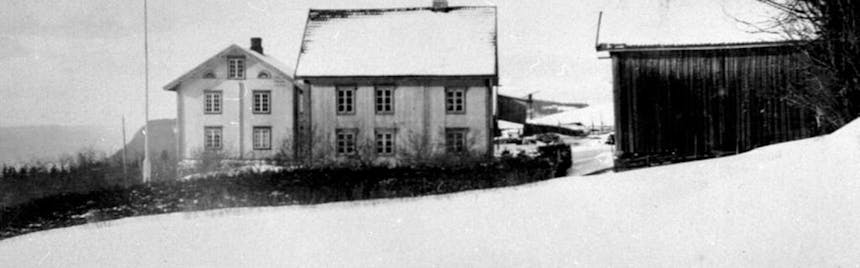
(692, 104)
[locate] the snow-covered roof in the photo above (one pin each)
(455, 41)
(612, 47)
(651, 24)
(272, 63)
(596, 114)
(502, 124)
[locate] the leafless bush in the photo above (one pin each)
(827, 33)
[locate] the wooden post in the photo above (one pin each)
(124, 155)
(147, 169)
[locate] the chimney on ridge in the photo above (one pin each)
(440, 4)
(257, 45)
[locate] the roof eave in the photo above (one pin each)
(620, 47)
(305, 77)
(494, 79)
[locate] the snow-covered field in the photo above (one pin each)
(791, 204)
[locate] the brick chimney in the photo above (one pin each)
(440, 4)
(257, 45)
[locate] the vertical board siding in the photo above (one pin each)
(690, 104)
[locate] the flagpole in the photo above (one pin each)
(146, 162)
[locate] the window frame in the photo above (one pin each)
(352, 89)
(392, 140)
(451, 108)
(451, 147)
(239, 74)
(353, 132)
(262, 92)
(219, 103)
(220, 138)
(390, 98)
(268, 141)
(261, 75)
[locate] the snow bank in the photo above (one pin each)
(230, 168)
(791, 204)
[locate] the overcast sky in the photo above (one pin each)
(81, 62)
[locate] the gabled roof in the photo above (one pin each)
(270, 62)
(454, 41)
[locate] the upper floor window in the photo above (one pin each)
(262, 138)
(385, 141)
(209, 75)
(345, 141)
(455, 140)
(384, 99)
(237, 67)
(264, 75)
(455, 100)
(345, 99)
(262, 101)
(212, 139)
(212, 102)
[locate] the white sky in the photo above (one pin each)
(81, 62)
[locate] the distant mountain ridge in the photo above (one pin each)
(162, 140)
(23, 144)
(47, 143)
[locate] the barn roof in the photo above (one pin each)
(706, 46)
(454, 41)
(272, 63)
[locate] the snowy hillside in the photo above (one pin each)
(791, 204)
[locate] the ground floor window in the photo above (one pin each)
(212, 137)
(345, 141)
(385, 141)
(262, 138)
(455, 140)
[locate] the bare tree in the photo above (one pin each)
(828, 39)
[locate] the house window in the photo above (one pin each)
(262, 138)
(262, 101)
(345, 99)
(345, 141)
(455, 100)
(237, 68)
(455, 140)
(212, 102)
(385, 141)
(384, 99)
(209, 75)
(263, 75)
(212, 139)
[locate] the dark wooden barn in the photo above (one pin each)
(685, 102)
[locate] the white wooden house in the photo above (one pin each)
(239, 102)
(390, 83)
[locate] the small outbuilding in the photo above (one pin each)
(683, 102)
